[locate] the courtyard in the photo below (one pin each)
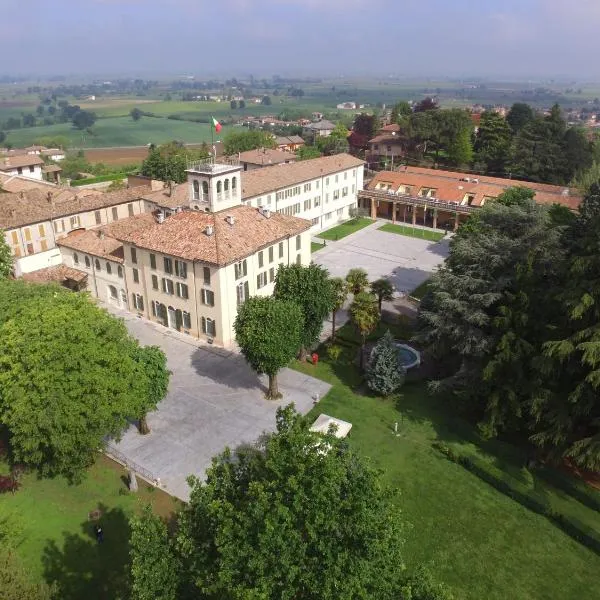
(214, 400)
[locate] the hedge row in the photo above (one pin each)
(99, 179)
(529, 498)
(588, 497)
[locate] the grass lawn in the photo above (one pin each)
(420, 290)
(478, 541)
(55, 537)
(340, 231)
(416, 232)
(314, 247)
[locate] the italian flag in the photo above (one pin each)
(216, 125)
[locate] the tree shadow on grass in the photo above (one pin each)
(87, 570)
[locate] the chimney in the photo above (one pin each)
(209, 230)
(231, 219)
(49, 197)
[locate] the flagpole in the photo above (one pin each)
(212, 137)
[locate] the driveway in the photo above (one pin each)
(214, 400)
(405, 261)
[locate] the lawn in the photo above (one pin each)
(416, 232)
(315, 247)
(55, 537)
(481, 543)
(340, 231)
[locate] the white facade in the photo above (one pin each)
(31, 171)
(325, 201)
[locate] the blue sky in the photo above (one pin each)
(408, 37)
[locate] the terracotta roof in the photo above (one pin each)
(382, 138)
(18, 183)
(266, 156)
(321, 125)
(51, 169)
(184, 234)
(179, 196)
(282, 140)
(36, 205)
(7, 163)
(58, 274)
(451, 187)
(391, 127)
(269, 179)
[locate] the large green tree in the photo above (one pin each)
(6, 258)
(384, 290)
(339, 289)
(310, 288)
(492, 143)
(169, 162)
(16, 582)
(241, 141)
(519, 115)
(68, 379)
(299, 516)
(357, 280)
(269, 332)
(364, 315)
(384, 374)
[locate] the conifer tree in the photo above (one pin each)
(384, 373)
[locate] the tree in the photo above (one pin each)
(384, 373)
(15, 581)
(242, 104)
(233, 105)
(266, 101)
(519, 115)
(364, 316)
(492, 143)
(401, 112)
(357, 280)
(84, 119)
(420, 585)
(578, 151)
(169, 162)
(366, 125)
(268, 331)
(383, 290)
(68, 379)
(299, 516)
(584, 180)
(242, 141)
(339, 290)
(40, 110)
(307, 152)
(310, 288)
(459, 149)
(154, 363)
(6, 259)
(155, 572)
(136, 114)
(425, 105)
(29, 120)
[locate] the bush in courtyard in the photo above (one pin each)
(334, 352)
(384, 374)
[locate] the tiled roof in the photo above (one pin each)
(51, 169)
(383, 138)
(18, 183)
(57, 274)
(389, 128)
(8, 163)
(178, 196)
(185, 234)
(36, 205)
(282, 140)
(451, 187)
(266, 156)
(269, 179)
(320, 125)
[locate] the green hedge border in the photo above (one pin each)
(527, 498)
(99, 179)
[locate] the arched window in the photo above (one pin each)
(219, 187)
(75, 258)
(234, 183)
(120, 271)
(196, 187)
(87, 262)
(113, 292)
(227, 185)
(98, 265)
(108, 268)
(205, 187)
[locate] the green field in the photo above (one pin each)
(55, 538)
(416, 232)
(478, 541)
(340, 231)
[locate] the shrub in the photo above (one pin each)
(334, 352)
(384, 374)
(8, 483)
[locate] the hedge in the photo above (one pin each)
(529, 498)
(99, 179)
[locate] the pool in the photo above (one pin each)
(408, 357)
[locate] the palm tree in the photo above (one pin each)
(364, 316)
(384, 290)
(340, 293)
(357, 280)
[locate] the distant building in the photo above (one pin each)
(264, 157)
(27, 165)
(387, 146)
(321, 128)
(347, 106)
(289, 143)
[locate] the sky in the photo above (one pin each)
(424, 38)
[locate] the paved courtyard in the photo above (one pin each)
(406, 261)
(214, 400)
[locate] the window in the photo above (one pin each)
(59, 226)
(299, 259)
(326, 197)
(280, 249)
(43, 245)
(260, 259)
(120, 271)
(205, 187)
(298, 242)
(307, 187)
(337, 178)
(168, 287)
(241, 269)
(208, 297)
(182, 290)
(74, 222)
(87, 262)
(31, 169)
(353, 172)
(206, 272)
(41, 230)
(327, 181)
(115, 213)
(15, 237)
(136, 276)
(187, 320)
(209, 326)
(28, 234)
(353, 188)
(168, 264)
(272, 274)
(234, 183)
(226, 185)
(336, 194)
(196, 188)
(29, 248)
(181, 269)
(97, 263)
(315, 221)
(108, 268)
(75, 258)
(345, 174)
(279, 196)
(98, 217)
(261, 280)
(134, 256)
(138, 301)
(307, 204)
(344, 191)
(328, 216)
(271, 253)
(153, 261)
(219, 187)
(154, 282)
(130, 209)
(112, 290)
(20, 170)
(317, 201)
(269, 199)
(242, 292)
(154, 305)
